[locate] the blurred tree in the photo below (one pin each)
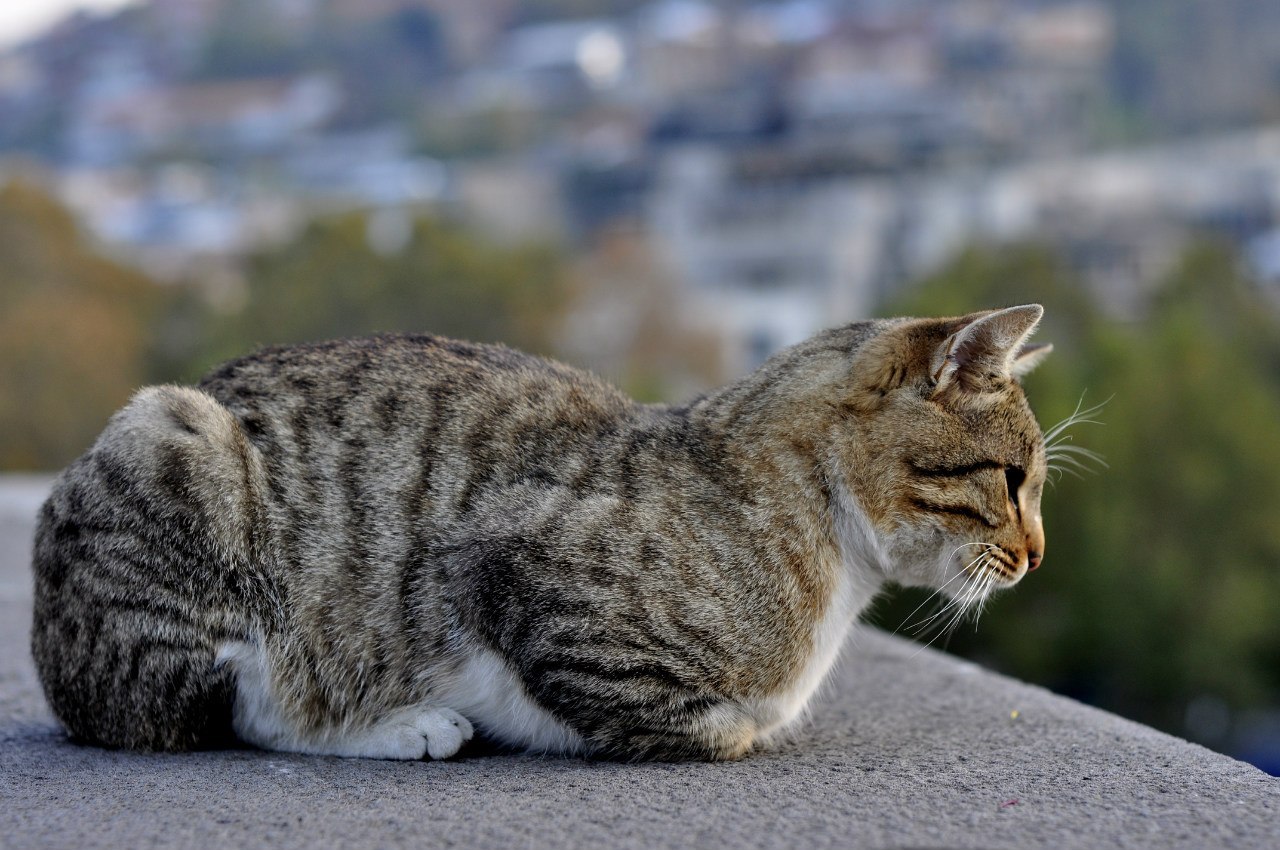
(246, 38)
(629, 323)
(72, 332)
(1160, 581)
(79, 333)
(358, 274)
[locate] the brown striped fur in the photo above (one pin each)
(370, 517)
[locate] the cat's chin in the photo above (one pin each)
(971, 583)
(947, 572)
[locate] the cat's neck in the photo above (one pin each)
(775, 431)
(777, 434)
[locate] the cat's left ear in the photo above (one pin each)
(989, 348)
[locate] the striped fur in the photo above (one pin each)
(364, 547)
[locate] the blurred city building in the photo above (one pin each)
(789, 162)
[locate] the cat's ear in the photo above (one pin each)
(989, 348)
(1029, 357)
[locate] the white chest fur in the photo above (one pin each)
(858, 579)
(777, 713)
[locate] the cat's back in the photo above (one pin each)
(363, 437)
(389, 372)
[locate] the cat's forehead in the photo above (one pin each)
(1003, 422)
(996, 426)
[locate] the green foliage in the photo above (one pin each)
(72, 332)
(79, 333)
(331, 282)
(1160, 580)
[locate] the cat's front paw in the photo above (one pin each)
(444, 729)
(408, 736)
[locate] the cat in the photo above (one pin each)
(375, 547)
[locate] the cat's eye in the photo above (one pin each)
(1013, 478)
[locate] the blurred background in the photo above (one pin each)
(667, 191)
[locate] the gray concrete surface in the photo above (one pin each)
(905, 750)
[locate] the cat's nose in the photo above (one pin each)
(1035, 542)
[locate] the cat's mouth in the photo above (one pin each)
(1005, 570)
(996, 563)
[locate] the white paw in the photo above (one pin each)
(407, 735)
(392, 741)
(445, 731)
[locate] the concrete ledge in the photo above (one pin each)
(906, 749)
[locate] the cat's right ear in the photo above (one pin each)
(1030, 356)
(988, 349)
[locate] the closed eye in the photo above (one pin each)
(1013, 479)
(954, 471)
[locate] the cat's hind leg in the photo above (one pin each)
(407, 733)
(144, 561)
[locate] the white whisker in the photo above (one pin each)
(1077, 417)
(962, 611)
(972, 599)
(918, 627)
(934, 594)
(964, 574)
(968, 595)
(982, 601)
(1064, 459)
(1064, 452)
(1069, 460)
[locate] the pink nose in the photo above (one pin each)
(1033, 560)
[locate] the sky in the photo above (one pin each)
(21, 18)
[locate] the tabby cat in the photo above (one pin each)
(372, 547)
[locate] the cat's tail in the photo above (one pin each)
(145, 562)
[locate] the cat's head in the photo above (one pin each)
(941, 452)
